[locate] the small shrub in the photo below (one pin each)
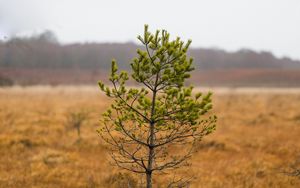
(75, 120)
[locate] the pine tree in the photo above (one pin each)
(144, 123)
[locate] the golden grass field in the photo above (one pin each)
(257, 139)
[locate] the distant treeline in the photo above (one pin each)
(44, 52)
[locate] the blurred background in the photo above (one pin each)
(235, 42)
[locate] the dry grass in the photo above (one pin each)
(256, 140)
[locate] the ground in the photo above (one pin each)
(256, 144)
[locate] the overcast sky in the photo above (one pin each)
(272, 25)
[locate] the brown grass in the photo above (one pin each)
(256, 140)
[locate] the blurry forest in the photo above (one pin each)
(41, 59)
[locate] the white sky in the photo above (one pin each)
(272, 25)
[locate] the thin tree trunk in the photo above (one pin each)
(149, 180)
(78, 132)
(151, 142)
(150, 157)
(152, 134)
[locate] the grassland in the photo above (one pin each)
(257, 139)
